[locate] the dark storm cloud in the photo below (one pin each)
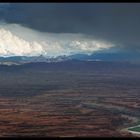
(115, 22)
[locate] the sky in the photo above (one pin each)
(69, 27)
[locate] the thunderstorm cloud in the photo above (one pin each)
(16, 40)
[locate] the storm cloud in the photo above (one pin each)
(16, 40)
(113, 22)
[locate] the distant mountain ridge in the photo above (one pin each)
(103, 56)
(17, 60)
(99, 56)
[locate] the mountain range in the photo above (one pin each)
(99, 56)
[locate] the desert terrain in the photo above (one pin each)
(69, 99)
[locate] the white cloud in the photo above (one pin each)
(13, 45)
(18, 40)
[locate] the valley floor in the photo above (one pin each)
(79, 100)
(66, 114)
